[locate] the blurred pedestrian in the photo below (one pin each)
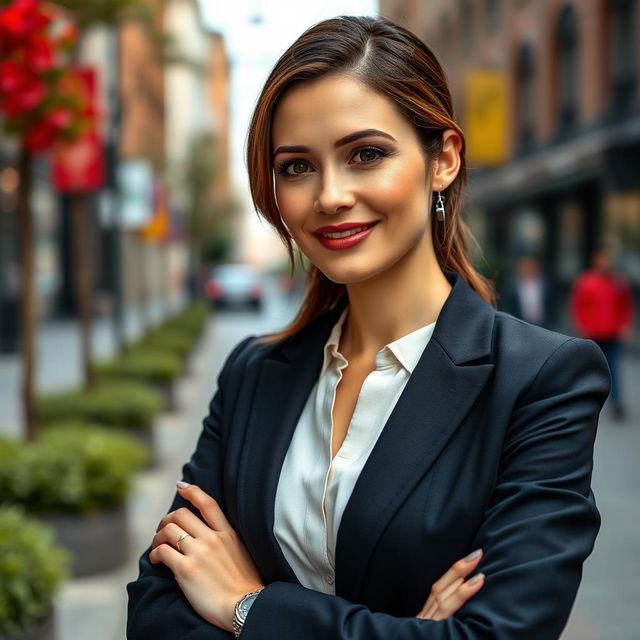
(361, 471)
(528, 295)
(602, 310)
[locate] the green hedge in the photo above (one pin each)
(190, 320)
(131, 405)
(31, 570)
(71, 469)
(169, 339)
(142, 363)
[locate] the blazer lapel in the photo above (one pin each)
(284, 383)
(452, 371)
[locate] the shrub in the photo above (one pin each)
(31, 569)
(190, 320)
(131, 405)
(71, 469)
(142, 363)
(167, 339)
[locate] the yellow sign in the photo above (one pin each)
(487, 123)
(157, 228)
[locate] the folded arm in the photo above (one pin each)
(537, 531)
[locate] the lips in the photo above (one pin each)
(343, 236)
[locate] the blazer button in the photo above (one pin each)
(329, 578)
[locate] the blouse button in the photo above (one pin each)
(329, 578)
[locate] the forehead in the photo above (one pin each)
(328, 108)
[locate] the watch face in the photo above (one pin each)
(245, 605)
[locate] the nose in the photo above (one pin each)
(334, 195)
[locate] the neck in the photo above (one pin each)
(403, 298)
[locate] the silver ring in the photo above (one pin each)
(180, 539)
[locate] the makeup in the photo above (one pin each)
(343, 236)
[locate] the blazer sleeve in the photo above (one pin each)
(157, 606)
(537, 530)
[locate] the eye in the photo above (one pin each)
(366, 155)
(293, 168)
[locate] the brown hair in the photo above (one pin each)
(395, 63)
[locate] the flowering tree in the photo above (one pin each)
(41, 103)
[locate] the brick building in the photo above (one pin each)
(560, 115)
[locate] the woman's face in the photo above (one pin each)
(351, 180)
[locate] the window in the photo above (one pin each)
(567, 39)
(525, 98)
(623, 55)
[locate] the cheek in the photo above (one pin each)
(293, 205)
(400, 189)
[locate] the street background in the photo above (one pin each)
(124, 196)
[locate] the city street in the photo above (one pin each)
(95, 607)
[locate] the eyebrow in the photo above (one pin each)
(352, 137)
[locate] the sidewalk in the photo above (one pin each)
(58, 360)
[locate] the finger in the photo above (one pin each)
(167, 555)
(187, 521)
(460, 569)
(170, 534)
(442, 597)
(454, 602)
(208, 507)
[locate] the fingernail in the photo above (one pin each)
(473, 555)
(476, 578)
(182, 485)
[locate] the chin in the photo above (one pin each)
(353, 275)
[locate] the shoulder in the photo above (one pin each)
(247, 352)
(545, 357)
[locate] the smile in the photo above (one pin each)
(344, 236)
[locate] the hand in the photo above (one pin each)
(450, 592)
(212, 566)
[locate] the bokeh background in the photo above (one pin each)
(131, 260)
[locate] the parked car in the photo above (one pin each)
(235, 285)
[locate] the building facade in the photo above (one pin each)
(548, 93)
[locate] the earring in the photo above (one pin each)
(440, 213)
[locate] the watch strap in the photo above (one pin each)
(241, 609)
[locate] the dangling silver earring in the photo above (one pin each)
(440, 213)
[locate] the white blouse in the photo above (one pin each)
(313, 489)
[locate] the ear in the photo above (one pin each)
(447, 165)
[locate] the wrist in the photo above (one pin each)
(241, 609)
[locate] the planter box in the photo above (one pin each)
(41, 630)
(97, 542)
(168, 392)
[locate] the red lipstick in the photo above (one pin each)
(343, 236)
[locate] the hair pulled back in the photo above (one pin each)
(395, 63)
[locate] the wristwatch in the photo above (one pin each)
(241, 611)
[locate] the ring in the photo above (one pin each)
(180, 539)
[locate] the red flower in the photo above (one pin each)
(22, 18)
(39, 54)
(21, 89)
(60, 118)
(40, 137)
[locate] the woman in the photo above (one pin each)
(401, 422)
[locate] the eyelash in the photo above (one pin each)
(282, 168)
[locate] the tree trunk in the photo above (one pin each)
(82, 276)
(28, 310)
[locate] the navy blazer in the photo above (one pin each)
(490, 445)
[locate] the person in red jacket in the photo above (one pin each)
(602, 310)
